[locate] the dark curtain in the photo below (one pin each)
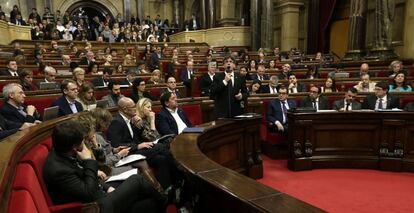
(326, 9)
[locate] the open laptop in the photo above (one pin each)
(48, 85)
(102, 104)
(51, 113)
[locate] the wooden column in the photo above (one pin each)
(290, 24)
(255, 23)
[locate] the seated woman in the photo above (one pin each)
(395, 67)
(138, 90)
(313, 72)
(252, 65)
(119, 70)
(79, 76)
(399, 84)
(108, 60)
(155, 77)
(255, 88)
(93, 69)
(329, 86)
(87, 97)
(26, 80)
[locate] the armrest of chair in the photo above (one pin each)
(75, 207)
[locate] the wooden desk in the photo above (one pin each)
(368, 140)
(233, 144)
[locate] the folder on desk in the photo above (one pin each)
(193, 130)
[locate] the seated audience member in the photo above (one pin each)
(365, 85)
(114, 95)
(255, 87)
(284, 75)
(330, 86)
(260, 73)
(119, 70)
(381, 99)
(108, 60)
(70, 159)
(103, 81)
(93, 69)
(8, 128)
(147, 124)
(129, 79)
(187, 73)
(90, 57)
(155, 58)
(273, 86)
(276, 114)
(396, 67)
(26, 80)
(138, 90)
(207, 79)
(50, 75)
(315, 99)
(12, 69)
(155, 77)
(67, 103)
(252, 65)
(66, 60)
(364, 69)
(294, 86)
(399, 83)
(313, 72)
(171, 119)
(172, 87)
(272, 65)
(14, 109)
(17, 50)
(79, 76)
(112, 155)
(87, 97)
(124, 131)
(348, 103)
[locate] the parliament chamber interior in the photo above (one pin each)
(206, 106)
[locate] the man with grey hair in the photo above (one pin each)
(90, 57)
(285, 72)
(66, 60)
(207, 78)
(50, 76)
(130, 77)
(273, 85)
(14, 108)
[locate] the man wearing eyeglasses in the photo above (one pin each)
(348, 103)
(68, 103)
(172, 87)
(229, 91)
(315, 99)
(276, 114)
(381, 100)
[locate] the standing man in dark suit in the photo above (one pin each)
(11, 68)
(171, 119)
(315, 99)
(276, 114)
(68, 103)
(155, 58)
(381, 99)
(14, 108)
(71, 175)
(229, 90)
(207, 79)
(348, 103)
(186, 75)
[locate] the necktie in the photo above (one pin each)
(380, 104)
(348, 106)
(284, 109)
(314, 104)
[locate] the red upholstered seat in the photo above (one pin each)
(41, 102)
(265, 135)
(155, 92)
(48, 143)
(21, 201)
(193, 113)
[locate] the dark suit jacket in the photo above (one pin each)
(84, 60)
(300, 87)
(8, 127)
(5, 72)
(370, 101)
(67, 182)
(274, 110)
(155, 61)
(339, 104)
(146, 94)
(256, 77)
(98, 81)
(119, 135)
(323, 103)
(226, 105)
(205, 84)
(166, 124)
(184, 78)
(177, 92)
(266, 89)
(11, 113)
(64, 108)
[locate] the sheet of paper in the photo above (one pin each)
(129, 159)
(123, 176)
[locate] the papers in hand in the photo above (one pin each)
(165, 136)
(123, 175)
(129, 159)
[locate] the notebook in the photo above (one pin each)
(51, 113)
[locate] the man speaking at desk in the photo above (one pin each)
(228, 90)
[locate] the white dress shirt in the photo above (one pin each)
(384, 102)
(180, 123)
(128, 122)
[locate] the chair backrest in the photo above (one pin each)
(193, 113)
(21, 201)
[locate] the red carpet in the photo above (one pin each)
(343, 190)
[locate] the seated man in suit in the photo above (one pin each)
(365, 85)
(68, 103)
(11, 68)
(207, 78)
(285, 72)
(273, 86)
(50, 76)
(114, 95)
(9, 127)
(364, 69)
(90, 58)
(171, 119)
(71, 175)
(172, 87)
(261, 69)
(155, 58)
(187, 73)
(14, 108)
(294, 86)
(348, 103)
(103, 81)
(276, 114)
(315, 99)
(381, 99)
(130, 77)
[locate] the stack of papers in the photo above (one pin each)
(129, 159)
